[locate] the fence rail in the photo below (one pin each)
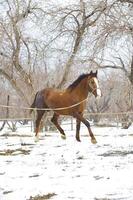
(107, 117)
(68, 122)
(52, 109)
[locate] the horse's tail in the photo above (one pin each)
(33, 105)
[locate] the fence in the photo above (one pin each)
(69, 123)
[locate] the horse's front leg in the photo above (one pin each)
(54, 120)
(78, 122)
(84, 121)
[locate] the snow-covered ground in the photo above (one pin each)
(70, 169)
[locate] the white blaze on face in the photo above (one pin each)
(99, 94)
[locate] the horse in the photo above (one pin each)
(70, 101)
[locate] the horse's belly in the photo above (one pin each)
(70, 110)
(63, 112)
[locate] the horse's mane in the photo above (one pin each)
(77, 81)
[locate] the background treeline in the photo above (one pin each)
(49, 43)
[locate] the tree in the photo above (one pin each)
(42, 43)
(17, 50)
(116, 46)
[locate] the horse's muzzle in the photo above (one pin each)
(98, 93)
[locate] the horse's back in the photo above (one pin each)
(55, 97)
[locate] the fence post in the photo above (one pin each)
(31, 125)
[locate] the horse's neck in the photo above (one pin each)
(81, 91)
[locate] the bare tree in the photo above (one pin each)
(16, 52)
(114, 43)
(69, 27)
(41, 45)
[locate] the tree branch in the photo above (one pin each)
(14, 85)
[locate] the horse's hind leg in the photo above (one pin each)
(37, 123)
(78, 122)
(55, 122)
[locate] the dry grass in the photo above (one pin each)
(13, 152)
(43, 197)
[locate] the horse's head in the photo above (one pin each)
(93, 84)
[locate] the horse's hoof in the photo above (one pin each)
(78, 139)
(63, 136)
(93, 141)
(36, 139)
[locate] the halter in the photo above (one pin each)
(94, 89)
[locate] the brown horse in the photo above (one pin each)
(71, 102)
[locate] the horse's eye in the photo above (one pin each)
(92, 82)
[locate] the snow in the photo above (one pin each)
(70, 169)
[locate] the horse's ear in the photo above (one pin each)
(91, 72)
(96, 73)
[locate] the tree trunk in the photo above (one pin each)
(131, 75)
(69, 63)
